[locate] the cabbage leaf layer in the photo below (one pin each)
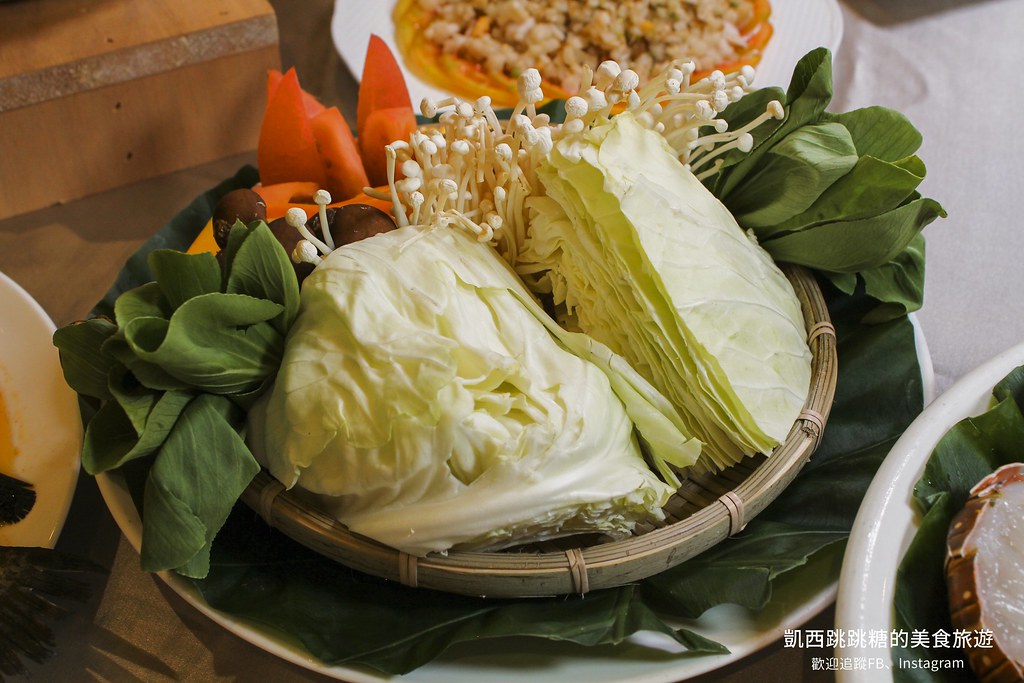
(648, 262)
(423, 395)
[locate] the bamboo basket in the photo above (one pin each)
(705, 510)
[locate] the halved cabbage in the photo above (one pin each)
(650, 263)
(425, 397)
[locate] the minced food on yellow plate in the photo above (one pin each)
(469, 46)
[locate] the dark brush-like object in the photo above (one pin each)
(16, 499)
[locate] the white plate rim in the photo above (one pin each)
(44, 416)
(742, 632)
(866, 584)
(799, 27)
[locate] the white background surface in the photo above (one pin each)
(954, 69)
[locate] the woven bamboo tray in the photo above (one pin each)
(705, 510)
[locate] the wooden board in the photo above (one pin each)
(97, 94)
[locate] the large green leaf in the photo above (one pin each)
(810, 91)
(259, 267)
(898, 285)
(135, 399)
(810, 88)
(740, 571)
(1011, 386)
(221, 343)
(145, 301)
(150, 375)
(193, 484)
(342, 616)
(85, 366)
(921, 601)
(871, 187)
(879, 132)
(109, 437)
(795, 173)
(850, 246)
(878, 394)
(181, 276)
(113, 437)
(971, 450)
(737, 115)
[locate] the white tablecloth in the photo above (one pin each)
(951, 67)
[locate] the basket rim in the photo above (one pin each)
(729, 507)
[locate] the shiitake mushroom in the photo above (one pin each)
(238, 205)
(289, 237)
(348, 223)
(353, 222)
(985, 574)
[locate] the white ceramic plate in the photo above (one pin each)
(43, 413)
(810, 591)
(799, 27)
(887, 519)
(801, 596)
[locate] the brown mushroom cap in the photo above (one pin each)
(238, 205)
(353, 222)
